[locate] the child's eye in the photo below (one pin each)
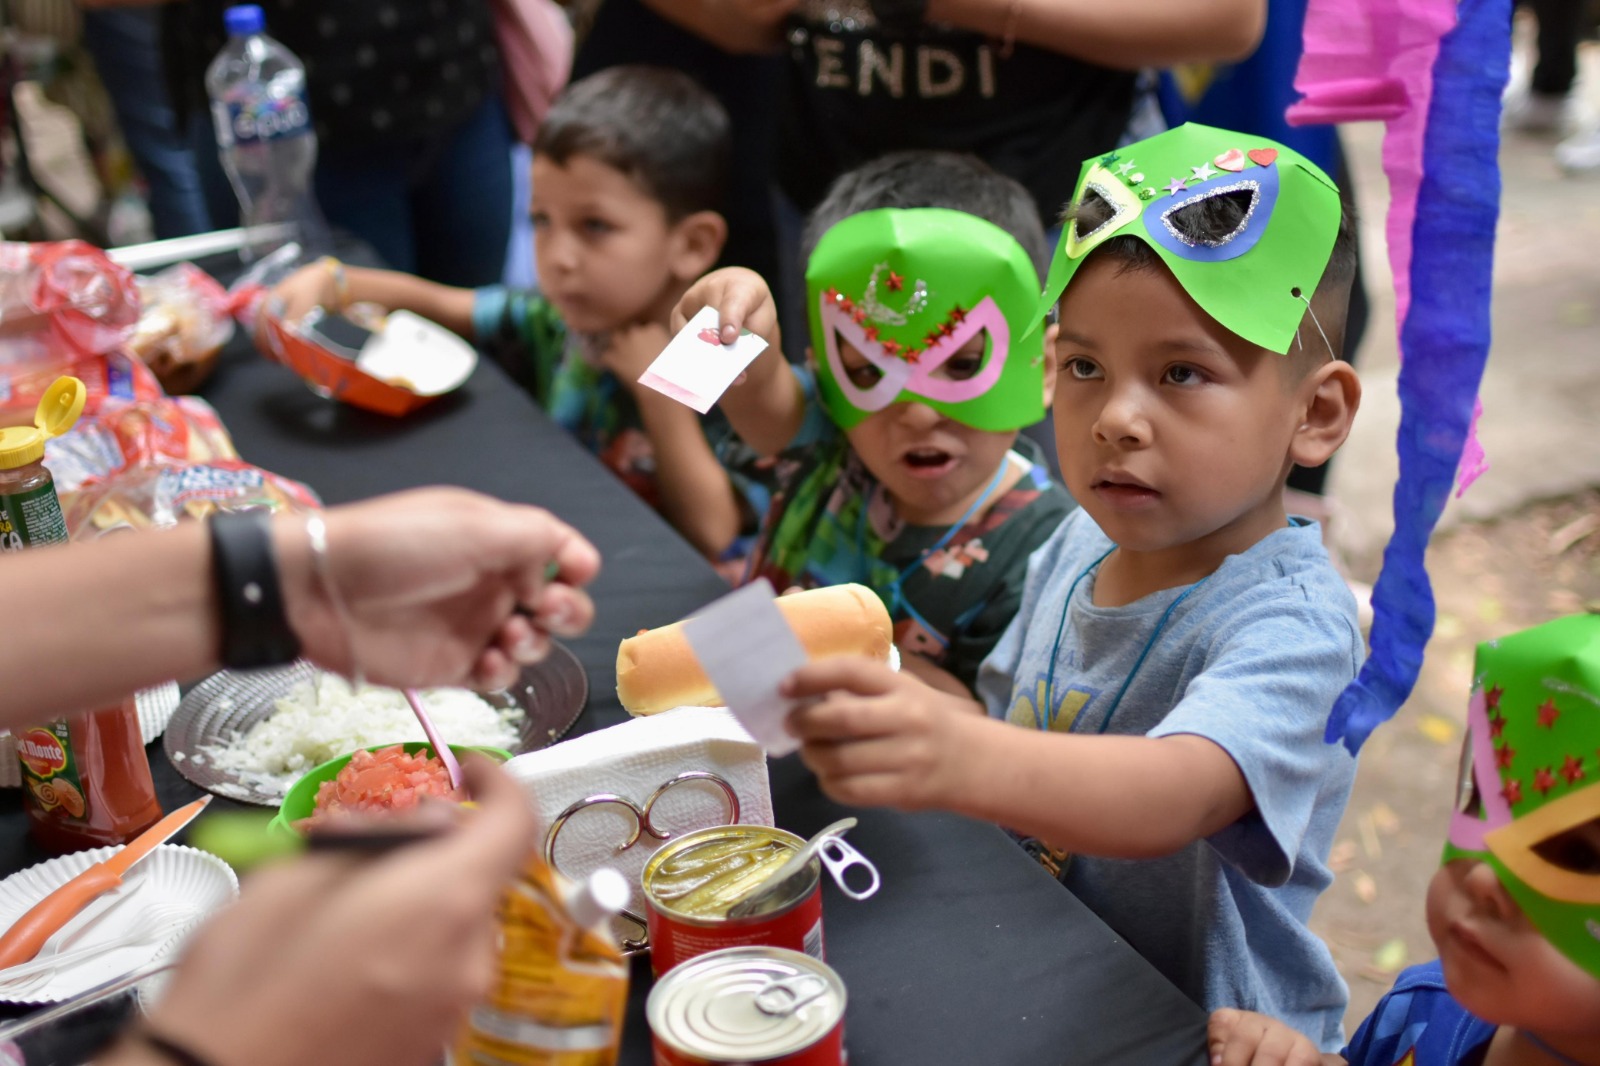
(1578, 849)
(539, 219)
(961, 367)
(597, 227)
(864, 376)
(1081, 369)
(1183, 375)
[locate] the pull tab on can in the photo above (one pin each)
(782, 996)
(840, 857)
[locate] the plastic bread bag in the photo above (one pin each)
(61, 301)
(186, 318)
(113, 437)
(149, 497)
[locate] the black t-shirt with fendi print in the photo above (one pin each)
(377, 71)
(859, 91)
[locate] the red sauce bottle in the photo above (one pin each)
(87, 780)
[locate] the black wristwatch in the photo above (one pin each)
(902, 17)
(255, 626)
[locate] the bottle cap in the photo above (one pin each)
(244, 20)
(592, 901)
(58, 409)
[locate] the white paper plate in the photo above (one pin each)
(170, 874)
(156, 706)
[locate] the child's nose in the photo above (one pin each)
(919, 415)
(1122, 421)
(1488, 895)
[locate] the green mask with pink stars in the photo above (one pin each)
(908, 289)
(1530, 775)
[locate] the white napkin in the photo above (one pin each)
(632, 760)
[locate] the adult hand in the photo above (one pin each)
(1245, 1038)
(631, 349)
(443, 587)
(879, 738)
(341, 958)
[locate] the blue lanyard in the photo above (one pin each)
(1046, 713)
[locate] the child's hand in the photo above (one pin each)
(1245, 1038)
(741, 298)
(632, 349)
(878, 738)
(310, 286)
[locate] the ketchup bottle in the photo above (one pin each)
(87, 780)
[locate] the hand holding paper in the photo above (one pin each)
(696, 368)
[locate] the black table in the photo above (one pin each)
(970, 953)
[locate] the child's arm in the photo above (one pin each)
(1245, 1038)
(320, 285)
(766, 406)
(697, 497)
(878, 738)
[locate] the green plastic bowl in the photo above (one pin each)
(301, 799)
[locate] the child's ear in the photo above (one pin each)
(1049, 356)
(697, 244)
(1332, 395)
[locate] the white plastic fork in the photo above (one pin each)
(155, 922)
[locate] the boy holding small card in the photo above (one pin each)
(900, 465)
(1151, 724)
(629, 170)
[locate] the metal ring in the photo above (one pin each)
(688, 775)
(599, 799)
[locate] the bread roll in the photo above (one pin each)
(657, 670)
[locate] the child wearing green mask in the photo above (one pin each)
(901, 467)
(1151, 724)
(1515, 908)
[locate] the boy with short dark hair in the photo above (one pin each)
(902, 468)
(1161, 694)
(629, 169)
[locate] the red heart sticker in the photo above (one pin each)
(1232, 159)
(1263, 157)
(710, 336)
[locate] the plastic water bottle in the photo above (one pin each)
(264, 136)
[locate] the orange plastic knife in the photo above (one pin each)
(27, 935)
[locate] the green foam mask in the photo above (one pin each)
(907, 289)
(1258, 280)
(1530, 774)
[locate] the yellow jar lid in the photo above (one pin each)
(58, 409)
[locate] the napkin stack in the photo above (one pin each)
(632, 760)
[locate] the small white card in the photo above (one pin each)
(696, 368)
(747, 648)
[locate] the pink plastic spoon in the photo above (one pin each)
(439, 746)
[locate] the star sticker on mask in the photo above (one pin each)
(1122, 171)
(892, 347)
(1491, 698)
(1496, 728)
(1109, 158)
(1175, 186)
(1512, 792)
(1203, 172)
(870, 332)
(958, 313)
(858, 315)
(1572, 770)
(1503, 757)
(1544, 780)
(1548, 713)
(896, 282)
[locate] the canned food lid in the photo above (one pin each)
(746, 1004)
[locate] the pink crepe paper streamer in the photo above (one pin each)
(1373, 61)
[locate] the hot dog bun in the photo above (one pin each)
(657, 670)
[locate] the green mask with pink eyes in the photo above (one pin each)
(910, 288)
(1530, 779)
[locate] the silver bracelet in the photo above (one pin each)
(317, 535)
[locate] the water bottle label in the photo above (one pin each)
(262, 118)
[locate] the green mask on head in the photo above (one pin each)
(1257, 280)
(907, 288)
(1530, 772)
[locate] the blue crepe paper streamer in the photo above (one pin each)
(1445, 343)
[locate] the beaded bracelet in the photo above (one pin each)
(341, 282)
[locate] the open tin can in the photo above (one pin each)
(751, 1005)
(688, 901)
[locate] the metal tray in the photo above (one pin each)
(551, 694)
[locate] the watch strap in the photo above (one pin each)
(255, 626)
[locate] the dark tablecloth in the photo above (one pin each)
(971, 953)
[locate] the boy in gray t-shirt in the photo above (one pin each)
(1181, 639)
